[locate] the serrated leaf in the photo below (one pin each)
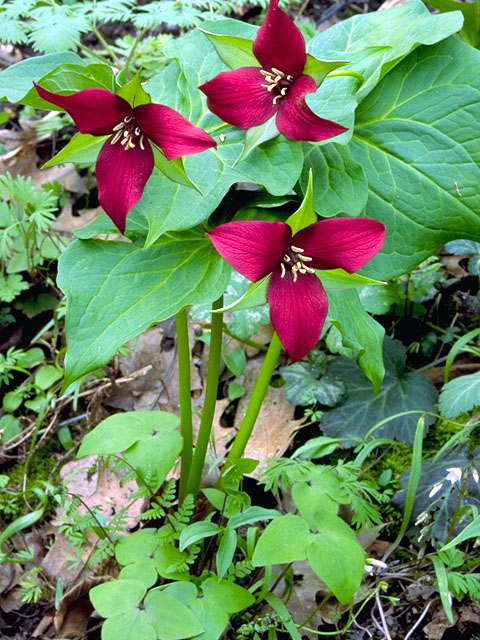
(460, 395)
(129, 289)
(399, 392)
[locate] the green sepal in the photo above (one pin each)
(174, 170)
(82, 148)
(305, 215)
(319, 69)
(133, 92)
(255, 136)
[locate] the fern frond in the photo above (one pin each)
(182, 517)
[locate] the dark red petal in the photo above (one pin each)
(121, 178)
(94, 111)
(297, 121)
(297, 311)
(279, 43)
(252, 248)
(237, 97)
(173, 133)
(348, 243)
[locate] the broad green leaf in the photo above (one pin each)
(70, 78)
(82, 148)
(212, 617)
(318, 500)
(471, 14)
(31, 357)
(197, 531)
(400, 391)
(340, 184)
(149, 440)
(116, 290)
(337, 558)
(460, 395)
(129, 625)
(376, 41)
(117, 596)
(47, 375)
(120, 431)
(170, 618)
(227, 595)
(417, 141)
(305, 214)
(359, 332)
(284, 540)
(17, 80)
(307, 386)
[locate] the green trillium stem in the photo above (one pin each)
(211, 390)
(256, 400)
(348, 73)
(185, 396)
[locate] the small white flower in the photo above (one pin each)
(435, 489)
(454, 474)
(475, 475)
(422, 517)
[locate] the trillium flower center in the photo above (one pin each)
(278, 83)
(295, 261)
(128, 133)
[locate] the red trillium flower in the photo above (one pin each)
(250, 96)
(126, 160)
(298, 302)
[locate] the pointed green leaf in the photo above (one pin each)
(133, 92)
(174, 170)
(319, 69)
(305, 215)
(255, 136)
(232, 40)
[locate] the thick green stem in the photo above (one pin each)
(258, 394)
(184, 387)
(211, 391)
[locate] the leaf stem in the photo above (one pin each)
(138, 39)
(255, 403)
(101, 38)
(351, 74)
(184, 384)
(211, 391)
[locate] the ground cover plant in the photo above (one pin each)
(239, 321)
